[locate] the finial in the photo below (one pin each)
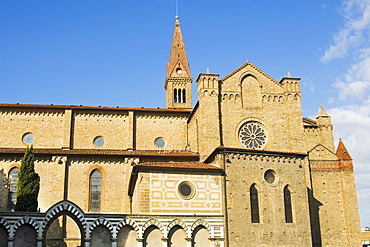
(207, 71)
(322, 112)
(289, 74)
(247, 60)
(340, 139)
(177, 18)
(177, 11)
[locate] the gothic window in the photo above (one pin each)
(175, 99)
(95, 191)
(252, 135)
(13, 178)
(183, 96)
(254, 204)
(288, 205)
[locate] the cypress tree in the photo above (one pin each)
(28, 184)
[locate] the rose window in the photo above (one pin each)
(252, 135)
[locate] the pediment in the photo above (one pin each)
(268, 84)
(320, 152)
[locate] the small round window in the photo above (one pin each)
(99, 141)
(28, 138)
(270, 176)
(160, 142)
(186, 190)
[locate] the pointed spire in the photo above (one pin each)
(322, 112)
(178, 65)
(342, 152)
(289, 74)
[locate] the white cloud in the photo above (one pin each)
(355, 31)
(352, 119)
(352, 124)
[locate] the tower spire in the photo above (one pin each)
(178, 65)
(178, 77)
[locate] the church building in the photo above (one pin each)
(240, 167)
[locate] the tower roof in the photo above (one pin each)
(342, 152)
(321, 112)
(178, 65)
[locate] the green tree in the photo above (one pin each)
(28, 184)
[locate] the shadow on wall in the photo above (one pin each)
(3, 190)
(314, 206)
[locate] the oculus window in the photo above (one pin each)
(160, 142)
(28, 138)
(186, 190)
(99, 141)
(252, 135)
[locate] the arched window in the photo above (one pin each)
(288, 205)
(175, 98)
(95, 190)
(254, 204)
(184, 96)
(13, 178)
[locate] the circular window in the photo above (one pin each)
(99, 141)
(252, 135)
(160, 143)
(179, 71)
(270, 176)
(28, 138)
(186, 190)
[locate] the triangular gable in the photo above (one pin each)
(269, 84)
(254, 67)
(179, 65)
(320, 152)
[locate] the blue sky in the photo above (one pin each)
(113, 53)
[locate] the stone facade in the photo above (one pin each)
(241, 168)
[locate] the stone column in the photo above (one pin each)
(10, 242)
(188, 242)
(164, 242)
(39, 242)
(139, 242)
(87, 242)
(114, 242)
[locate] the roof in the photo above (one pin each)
(223, 149)
(196, 165)
(342, 151)
(77, 107)
(56, 151)
(307, 122)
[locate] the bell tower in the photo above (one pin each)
(178, 78)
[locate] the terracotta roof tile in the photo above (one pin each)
(198, 165)
(99, 152)
(92, 107)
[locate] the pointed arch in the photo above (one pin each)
(6, 224)
(255, 216)
(101, 221)
(12, 185)
(288, 205)
(201, 222)
(27, 220)
(176, 222)
(153, 222)
(95, 190)
(129, 222)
